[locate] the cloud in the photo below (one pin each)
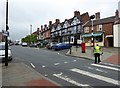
(23, 13)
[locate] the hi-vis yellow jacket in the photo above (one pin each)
(97, 49)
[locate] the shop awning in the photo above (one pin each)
(94, 34)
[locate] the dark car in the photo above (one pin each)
(60, 46)
(33, 45)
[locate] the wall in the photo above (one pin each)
(117, 35)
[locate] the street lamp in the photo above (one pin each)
(92, 38)
(6, 37)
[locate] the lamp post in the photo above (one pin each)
(6, 37)
(92, 38)
(30, 32)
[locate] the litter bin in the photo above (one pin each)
(83, 47)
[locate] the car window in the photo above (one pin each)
(2, 47)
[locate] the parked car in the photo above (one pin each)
(33, 45)
(2, 52)
(24, 44)
(60, 46)
(50, 45)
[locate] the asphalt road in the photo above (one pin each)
(66, 70)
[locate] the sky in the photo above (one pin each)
(23, 13)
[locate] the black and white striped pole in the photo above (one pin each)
(92, 38)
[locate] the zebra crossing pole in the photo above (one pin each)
(92, 38)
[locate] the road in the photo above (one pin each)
(66, 70)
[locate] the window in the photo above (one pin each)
(98, 38)
(99, 27)
(86, 29)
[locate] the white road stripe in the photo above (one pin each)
(74, 60)
(111, 64)
(97, 69)
(65, 62)
(43, 66)
(103, 78)
(32, 65)
(90, 68)
(69, 80)
(56, 63)
(112, 68)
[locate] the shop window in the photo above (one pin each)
(98, 38)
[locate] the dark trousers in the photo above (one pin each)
(97, 57)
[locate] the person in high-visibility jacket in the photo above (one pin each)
(97, 52)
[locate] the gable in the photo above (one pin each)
(75, 21)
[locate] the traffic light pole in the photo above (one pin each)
(6, 37)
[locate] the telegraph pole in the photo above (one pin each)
(6, 37)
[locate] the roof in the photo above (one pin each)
(102, 21)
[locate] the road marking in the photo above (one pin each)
(101, 70)
(32, 65)
(56, 63)
(97, 69)
(112, 68)
(69, 80)
(74, 60)
(90, 68)
(111, 64)
(43, 66)
(65, 62)
(103, 78)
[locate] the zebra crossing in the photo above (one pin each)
(90, 74)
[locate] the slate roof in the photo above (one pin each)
(101, 21)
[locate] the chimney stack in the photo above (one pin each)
(41, 27)
(50, 23)
(117, 14)
(76, 13)
(57, 21)
(97, 15)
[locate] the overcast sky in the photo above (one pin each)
(23, 13)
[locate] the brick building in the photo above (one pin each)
(103, 31)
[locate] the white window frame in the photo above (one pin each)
(86, 29)
(99, 27)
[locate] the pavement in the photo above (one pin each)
(19, 74)
(110, 55)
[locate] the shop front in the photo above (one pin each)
(98, 38)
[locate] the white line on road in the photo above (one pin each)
(32, 65)
(56, 63)
(112, 68)
(69, 80)
(111, 64)
(74, 60)
(96, 69)
(103, 78)
(65, 62)
(101, 70)
(43, 66)
(90, 68)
